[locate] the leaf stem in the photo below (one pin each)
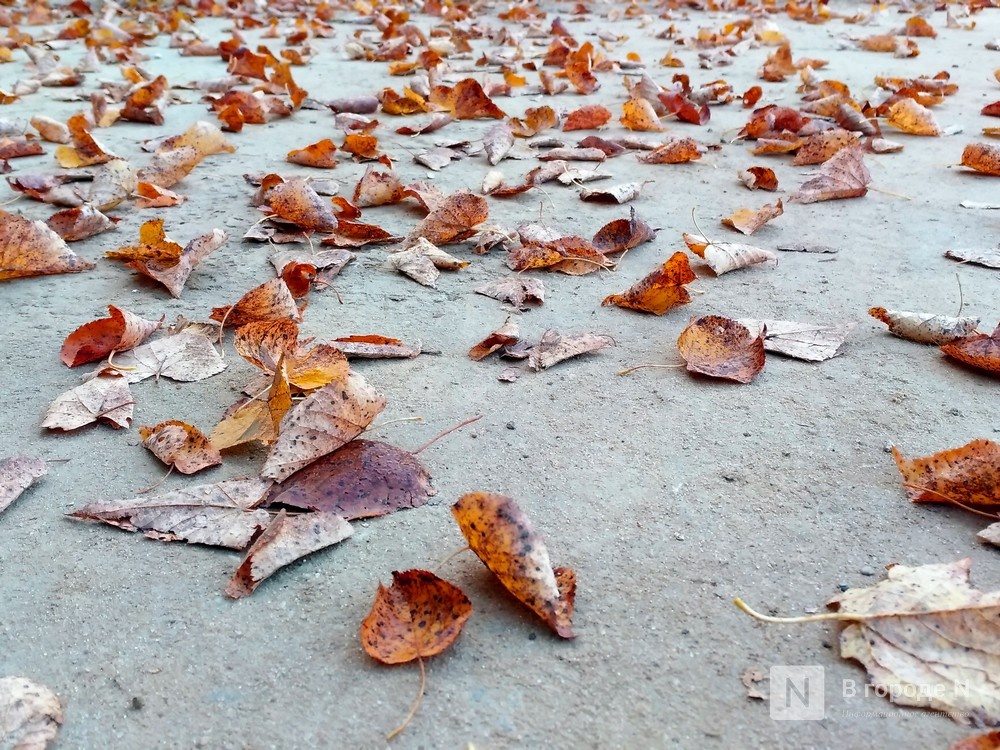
(416, 704)
(843, 616)
(437, 437)
(630, 370)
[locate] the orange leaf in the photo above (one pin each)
(674, 151)
(378, 188)
(759, 177)
(295, 201)
(468, 101)
(272, 300)
(29, 248)
(913, 118)
(374, 346)
(98, 338)
(981, 351)
(264, 342)
(154, 196)
(659, 291)
(623, 234)
(747, 221)
(588, 117)
(570, 255)
(722, 348)
(638, 114)
(85, 150)
(322, 154)
(969, 475)
(536, 119)
(455, 219)
(180, 445)
(982, 157)
(361, 146)
(578, 69)
(74, 224)
(244, 62)
(420, 615)
(255, 419)
(505, 335)
(821, 147)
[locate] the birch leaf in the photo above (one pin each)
(925, 328)
(723, 257)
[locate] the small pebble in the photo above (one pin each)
(511, 426)
(843, 586)
(532, 636)
(868, 570)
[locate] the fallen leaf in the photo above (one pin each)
(674, 151)
(19, 146)
(106, 397)
(455, 219)
(659, 291)
(224, 514)
(29, 248)
(623, 234)
(180, 445)
(255, 419)
(202, 136)
(421, 260)
(498, 142)
(554, 348)
(322, 154)
(989, 258)
(762, 178)
(17, 474)
(981, 351)
(982, 157)
(990, 535)
(622, 193)
(722, 348)
(518, 291)
(988, 741)
(811, 343)
(162, 259)
(373, 346)
(30, 714)
(536, 119)
(913, 118)
(186, 356)
(505, 335)
(297, 202)
(50, 130)
(328, 263)
(925, 328)
(843, 176)
(99, 338)
(419, 616)
(113, 182)
(587, 117)
(362, 479)
(821, 147)
(723, 257)
(321, 423)
(639, 114)
(272, 300)
(750, 678)
(503, 537)
(85, 149)
(969, 475)
(572, 154)
(468, 101)
(574, 256)
(748, 221)
(154, 196)
(167, 168)
(285, 540)
(75, 224)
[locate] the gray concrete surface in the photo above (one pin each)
(668, 494)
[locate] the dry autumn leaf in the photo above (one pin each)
(224, 514)
(30, 714)
(519, 291)
(988, 741)
(453, 220)
(420, 260)
(320, 424)
(503, 537)
(554, 347)
(185, 356)
(639, 114)
(983, 158)
(722, 348)
(322, 154)
(106, 397)
(674, 151)
(969, 475)
(762, 178)
(17, 474)
(272, 300)
(925, 328)
(989, 258)
(362, 479)
(30, 248)
(981, 351)
(911, 117)
(285, 540)
(99, 338)
(574, 256)
(297, 202)
(844, 175)
(374, 346)
(180, 445)
(723, 257)
(623, 193)
(748, 221)
(623, 234)
(505, 335)
(659, 291)
(587, 117)
(75, 224)
(805, 341)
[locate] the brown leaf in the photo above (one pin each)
(988, 741)
(377, 188)
(17, 474)
(515, 290)
(373, 346)
(505, 335)
(723, 257)
(29, 248)
(167, 168)
(674, 151)
(223, 514)
(31, 714)
(759, 177)
(981, 351)
(154, 196)
(419, 616)
(554, 348)
(263, 343)
(578, 69)
(85, 149)
(19, 146)
(180, 445)
(162, 259)
(98, 338)
(913, 118)
(503, 537)
(843, 176)
(362, 479)
(106, 397)
(536, 119)
(748, 221)
(982, 157)
(453, 220)
(821, 147)
(272, 300)
(320, 424)
(622, 193)
(623, 234)
(722, 348)
(925, 328)
(255, 419)
(969, 475)
(574, 256)
(322, 154)
(74, 224)
(286, 540)
(468, 101)
(659, 291)
(328, 263)
(297, 202)
(587, 117)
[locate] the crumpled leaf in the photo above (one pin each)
(722, 348)
(29, 248)
(505, 335)
(328, 263)
(223, 514)
(989, 257)
(321, 423)
(167, 168)
(981, 351)
(659, 291)
(17, 474)
(106, 397)
(748, 221)
(419, 616)
(149, 195)
(843, 176)
(272, 300)
(554, 347)
(503, 537)
(286, 540)
(180, 445)
(623, 234)
(925, 328)
(969, 475)
(263, 343)
(587, 117)
(113, 183)
(255, 419)
(98, 338)
(455, 219)
(927, 639)
(982, 157)
(498, 142)
(723, 257)
(30, 714)
(639, 114)
(322, 154)
(517, 290)
(297, 202)
(621, 193)
(75, 224)
(821, 147)
(421, 261)
(674, 151)
(362, 479)
(806, 341)
(162, 259)
(374, 346)
(575, 256)
(85, 150)
(186, 356)
(911, 117)
(759, 178)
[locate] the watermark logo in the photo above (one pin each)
(798, 692)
